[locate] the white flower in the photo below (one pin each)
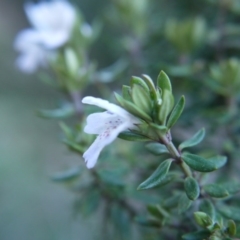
(52, 26)
(52, 21)
(107, 125)
(32, 55)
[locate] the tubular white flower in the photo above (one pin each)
(107, 125)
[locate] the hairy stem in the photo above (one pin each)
(176, 155)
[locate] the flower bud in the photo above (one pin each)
(203, 219)
(71, 61)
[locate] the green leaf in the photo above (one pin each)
(67, 176)
(216, 191)
(111, 178)
(231, 187)
(151, 86)
(148, 222)
(130, 107)
(199, 235)
(191, 188)
(156, 148)
(201, 164)
(231, 228)
(166, 106)
(160, 128)
(157, 177)
(164, 82)
(67, 130)
(157, 211)
(141, 99)
(203, 219)
(184, 203)
(194, 140)
(89, 203)
(207, 207)
(65, 111)
(139, 81)
(74, 146)
(131, 136)
(230, 212)
(176, 112)
(126, 93)
(168, 178)
(121, 219)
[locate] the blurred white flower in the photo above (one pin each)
(32, 54)
(107, 125)
(52, 21)
(52, 26)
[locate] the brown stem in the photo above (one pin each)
(176, 155)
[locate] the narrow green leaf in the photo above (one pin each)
(148, 222)
(158, 175)
(194, 140)
(176, 112)
(67, 176)
(203, 219)
(157, 211)
(184, 203)
(139, 81)
(156, 148)
(201, 164)
(65, 111)
(168, 178)
(231, 228)
(121, 220)
(199, 235)
(89, 203)
(161, 129)
(67, 130)
(141, 98)
(231, 187)
(166, 106)
(126, 93)
(207, 207)
(131, 136)
(74, 146)
(130, 107)
(164, 82)
(216, 191)
(151, 86)
(191, 188)
(230, 212)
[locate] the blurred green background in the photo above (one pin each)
(31, 206)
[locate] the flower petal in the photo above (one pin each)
(53, 20)
(53, 39)
(25, 38)
(107, 105)
(30, 59)
(96, 122)
(92, 153)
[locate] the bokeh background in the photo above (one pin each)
(31, 206)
